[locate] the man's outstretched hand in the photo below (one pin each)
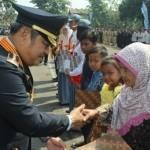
(90, 113)
(77, 117)
(80, 116)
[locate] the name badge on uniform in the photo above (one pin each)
(13, 59)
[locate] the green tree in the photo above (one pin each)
(130, 12)
(7, 13)
(104, 13)
(98, 12)
(83, 12)
(53, 6)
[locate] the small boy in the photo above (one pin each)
(88, 40)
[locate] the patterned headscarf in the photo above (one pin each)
(132, 106)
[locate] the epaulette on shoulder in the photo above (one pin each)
(13, 59)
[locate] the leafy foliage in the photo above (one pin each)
(7, 13)
(130, 12)
(83, 12)
(104, 13)
(132, 9)
(117, 13)
(98, 10)
(53, 6)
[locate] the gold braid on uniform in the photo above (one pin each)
(51, 36)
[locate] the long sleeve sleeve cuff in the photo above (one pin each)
(70, 122)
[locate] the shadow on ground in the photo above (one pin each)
(42, 82)
(48, 102)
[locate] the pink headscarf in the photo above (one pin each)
(132, 106)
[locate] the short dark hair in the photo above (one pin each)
(90, 35)
(17, 26)
(102, 50)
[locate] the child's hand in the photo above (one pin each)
(90, 113)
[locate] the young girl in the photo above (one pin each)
(62, 58)
(109, 71)
(88, 40)
(95, 58)
(112, 79)
(63, 39)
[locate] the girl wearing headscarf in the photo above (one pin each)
(64, 37)
(131, 109)
(63, 62)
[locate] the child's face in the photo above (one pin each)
(95, 60)
(127, 76)
(86, 46)
(110, 74)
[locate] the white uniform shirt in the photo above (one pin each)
(134, 37)
(140, 37)
(146, 37)
(74, 39)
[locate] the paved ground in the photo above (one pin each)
(46, 101)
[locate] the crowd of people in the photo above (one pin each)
(82, 62)
(88, 66)
(122, 38)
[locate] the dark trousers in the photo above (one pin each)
(72, 96)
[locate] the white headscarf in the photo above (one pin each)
(64, 39)
(132, 106)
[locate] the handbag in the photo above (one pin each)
(91, 99)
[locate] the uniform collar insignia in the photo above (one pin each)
(13, 59)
